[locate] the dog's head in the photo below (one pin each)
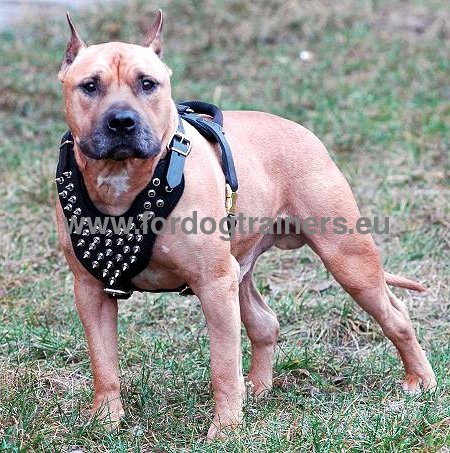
(117, 96)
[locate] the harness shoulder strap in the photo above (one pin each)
(202, 108)
(212, 130)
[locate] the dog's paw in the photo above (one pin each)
(257, 388)
(214, 433)
(415, 384)
(108, 411)
(222, 425)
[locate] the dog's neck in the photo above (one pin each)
(113, 185)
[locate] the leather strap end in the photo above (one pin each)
(175, 170)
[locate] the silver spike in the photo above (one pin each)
(133, 259)
(87, 254)
(119, 257)
(92, 246)
(94, 264)
(132, 226)
(109, 265)
(72, 199)
(67, 174)
(139, 237)
(100, 256)
(120, 241)
(105, 273)
(130, 237)
(96, 240)
(85, 223)
(59, 180)
(68, 207)
(108, 242)
(63, 194)
(140, 217)
(109, 233)
(77, 211)
(121, 232)
(70, 187)
(168, 189)
(80, 243)
(151, 193)
(160, 203)
(112, 280)
(156, 182)
(136, 249)
(85, 232)
(151, 214)
(125, 266)
(126, 249)
(108, 252)
(117, 273)
(147, 205)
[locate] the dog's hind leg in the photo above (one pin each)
(355, 263)
(262, 328)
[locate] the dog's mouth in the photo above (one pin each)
(122, 152)
(101, 147)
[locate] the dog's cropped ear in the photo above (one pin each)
(74, 45)
(153, 39)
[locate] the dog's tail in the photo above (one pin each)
(402, 282)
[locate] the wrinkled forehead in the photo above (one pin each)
(116, 60)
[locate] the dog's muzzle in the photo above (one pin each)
(121, 134)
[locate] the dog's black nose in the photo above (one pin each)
(122, 121)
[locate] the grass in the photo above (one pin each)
(376, 93)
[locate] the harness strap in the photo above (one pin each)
(212, 130)
(202, 108)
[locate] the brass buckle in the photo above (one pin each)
(185, 141)
(230, 200)
(117, 293)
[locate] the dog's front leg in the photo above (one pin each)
(220, 303)
(98, 314)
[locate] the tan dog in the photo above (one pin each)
(283, 169)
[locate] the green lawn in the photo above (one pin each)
(377, 93)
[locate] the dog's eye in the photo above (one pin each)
(148, 85)
(89, 87)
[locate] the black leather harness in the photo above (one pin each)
(114, 249)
